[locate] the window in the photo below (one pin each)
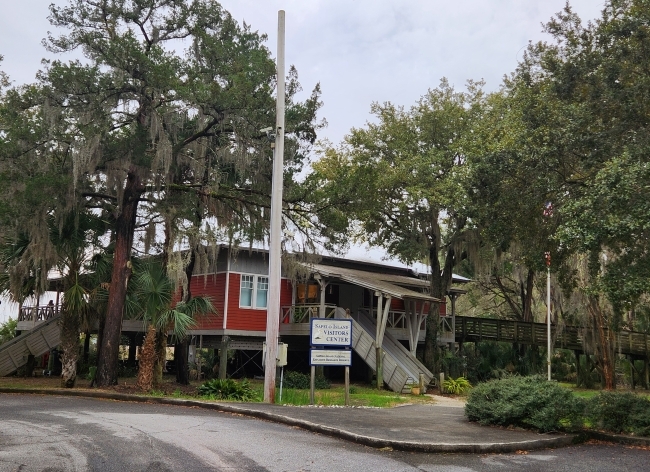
(253, 291)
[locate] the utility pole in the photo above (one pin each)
(275, 253)
(548, 314)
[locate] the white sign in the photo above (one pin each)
(330, 357)
(328, 332)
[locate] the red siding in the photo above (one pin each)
(443, 309)
(397, 304)
(246, 318)
(213, 286)
(286, 293)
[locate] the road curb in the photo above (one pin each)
(410, 446)
(619, 438)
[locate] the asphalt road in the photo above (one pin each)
(41, 433)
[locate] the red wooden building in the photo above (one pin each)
(238, 284)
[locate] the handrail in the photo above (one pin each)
(525, 332)
(20, 338)
(305, 312)
(43, 312)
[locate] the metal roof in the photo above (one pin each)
(384, 283)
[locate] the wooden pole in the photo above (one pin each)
(223, 357)
(312, 385)
(378, 360)
(548, 321)
(275, 255)
(347, 385)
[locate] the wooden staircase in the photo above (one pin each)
(399, 367)
(41, 339)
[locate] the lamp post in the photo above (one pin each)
(275, 254)
(548, 313)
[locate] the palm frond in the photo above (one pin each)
(179, 322)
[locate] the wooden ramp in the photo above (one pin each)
(399, 366)
(40, 340)
(469, 329)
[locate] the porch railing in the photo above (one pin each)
(304, 313)
(39, 313)
(396, 319)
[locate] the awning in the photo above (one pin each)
(373, 281)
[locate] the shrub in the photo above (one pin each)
(456, 387)
(529, 402)
(619, 413)
(227, 389)
(302, 381)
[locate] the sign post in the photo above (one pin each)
(331, 340)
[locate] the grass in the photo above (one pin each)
(359, 395)
(589, 393)
(580, 392)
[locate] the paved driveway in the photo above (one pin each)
(42, 433)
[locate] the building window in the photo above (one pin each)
(262, 292)
(253, 291)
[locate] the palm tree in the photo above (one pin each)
(76, 241)
(18, 276)
(154, 293)
(72, 241)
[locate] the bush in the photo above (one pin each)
(456, 387)
(529, 402)
(619, 413)
(299, 380)
(227, 389)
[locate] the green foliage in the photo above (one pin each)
(227, 389)
(456, 386)
(92, 371)
(126, 371)
(491, 360)
(298, 380)
(8, 330)
(528, 402)
(619, 412)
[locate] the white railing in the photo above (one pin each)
(304, 313)
(396, 318)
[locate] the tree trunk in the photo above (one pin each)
(440, 282)
(29, 367)
(69, 348)
(147, 360)
(604, 346)
(181, 348)
(527, 296)
(86, 346)
(124, 231)
(182, 369)
(161, 355)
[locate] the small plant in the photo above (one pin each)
(529, 402)
(227, 389)
(297, 380)
(302, 381)
(458, 386)
(92, 371)
(619, 413)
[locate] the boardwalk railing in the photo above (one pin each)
(39, 313)
(469, 329)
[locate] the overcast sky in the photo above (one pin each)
(359, 50)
